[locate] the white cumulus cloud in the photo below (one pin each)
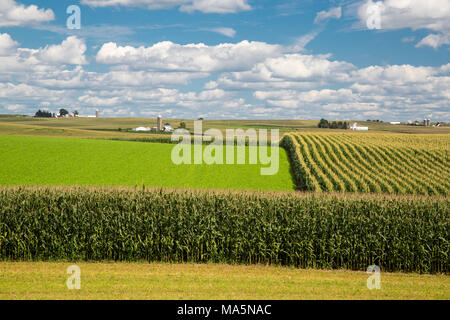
(205, 6)
(70, 51)
(413, 14)
(7, 44)
(15, 14)
(276, 83)
(191, 57)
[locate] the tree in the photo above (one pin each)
(323, 123)
(333, 125)
(43, 114)
(63, 112)
(76, 113)
(183, 125)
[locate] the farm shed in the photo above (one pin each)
(142, 129)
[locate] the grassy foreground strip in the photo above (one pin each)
(45, 280)
(397, 233)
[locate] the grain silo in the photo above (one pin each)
(159, 125)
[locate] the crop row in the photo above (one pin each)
(348, 163)
(328, 231)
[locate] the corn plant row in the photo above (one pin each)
(320, 174)
(355, 182)
(361, 166)
(321, 159)
(386, 181)
(349, 163)
(406, 168)
(344, 182)
(435, 160)
(326, 231)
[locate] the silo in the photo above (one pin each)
(159, 121)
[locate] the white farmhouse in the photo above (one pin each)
(167, 128)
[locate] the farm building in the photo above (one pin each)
(159, 128)
(356, 127)
(142, 129)
(159, 122)
(167, 128)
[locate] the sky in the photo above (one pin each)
(228, 59)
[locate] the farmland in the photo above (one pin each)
(409, 234)
(370, 163)
(51, 161)
(225, 149)
(163, 281)
(340, 202)
(118, 128)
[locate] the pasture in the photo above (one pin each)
(45, 161)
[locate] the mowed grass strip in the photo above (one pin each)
(42, 161)
(43, 280)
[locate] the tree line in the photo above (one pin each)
(44, 114)
(47, 114)
(323, 123)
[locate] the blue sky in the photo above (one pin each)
(228, 58)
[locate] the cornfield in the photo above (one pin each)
(380, 163)
(326, 231)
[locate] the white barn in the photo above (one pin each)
(142, 129)
(356, 127)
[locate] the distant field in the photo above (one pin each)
(108, 128)
(205, 282)
(370, 163)
(66, 162)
